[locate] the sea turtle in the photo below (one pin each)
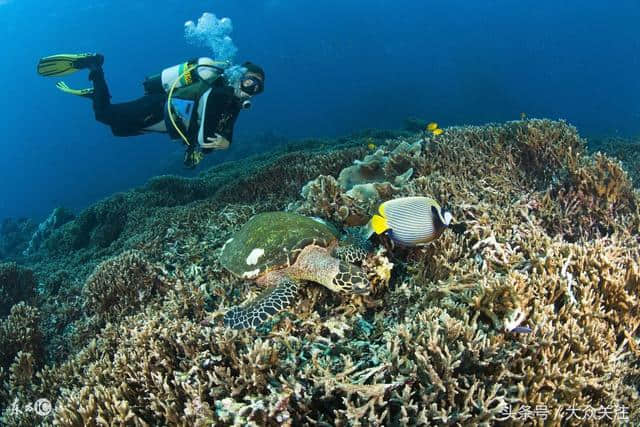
(281, 250)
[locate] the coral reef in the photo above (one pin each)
(14, 236)
(16, 284)
(122, 284)
(20, 332)
(351, 198)
(625, 150)
(58, 217)
(525, 312)
(596, 198)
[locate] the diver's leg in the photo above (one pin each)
(125, 118)
(101, 95)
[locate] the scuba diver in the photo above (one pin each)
(193, 101)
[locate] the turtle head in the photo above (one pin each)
(350, 280)
(316, 264)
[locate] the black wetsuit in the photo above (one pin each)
(131, 118)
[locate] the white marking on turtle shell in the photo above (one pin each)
(253, 257)
(251, 274)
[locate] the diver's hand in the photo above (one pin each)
(218, 142)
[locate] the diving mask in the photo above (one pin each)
(251, 85)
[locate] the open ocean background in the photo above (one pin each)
(332, 68)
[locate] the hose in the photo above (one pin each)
(173, 86)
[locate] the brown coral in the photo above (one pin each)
(121, 284)
(16, 284)
(20, 331)
(438, 344)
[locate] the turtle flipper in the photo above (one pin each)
(270, 302)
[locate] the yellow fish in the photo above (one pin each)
(371, 146)
(410, 221)
(434, 129)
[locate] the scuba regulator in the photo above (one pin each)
(187, 87)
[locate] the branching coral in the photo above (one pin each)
(21, 355)
(547, 240)
(625, 150)
(595, 198)
(20, 331)
(122, 284)
(16, 284)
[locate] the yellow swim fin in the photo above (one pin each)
(67, 63)
(85, 93)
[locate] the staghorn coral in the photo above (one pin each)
(122, 284)
(20, 332)
(435, 345)
(21, 355)
(625, 150)
(596, 198)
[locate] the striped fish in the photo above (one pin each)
(410, 221)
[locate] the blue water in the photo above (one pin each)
(332, 67)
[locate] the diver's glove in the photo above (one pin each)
(218, 142)
(192, 158)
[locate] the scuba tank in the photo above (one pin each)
(184, 84)
(184, 74)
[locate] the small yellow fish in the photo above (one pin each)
(437, 132)
(371, 146)
(432, 126)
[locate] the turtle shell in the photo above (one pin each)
(270, 241)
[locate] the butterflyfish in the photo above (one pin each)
(434, 129)
(410, 221)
